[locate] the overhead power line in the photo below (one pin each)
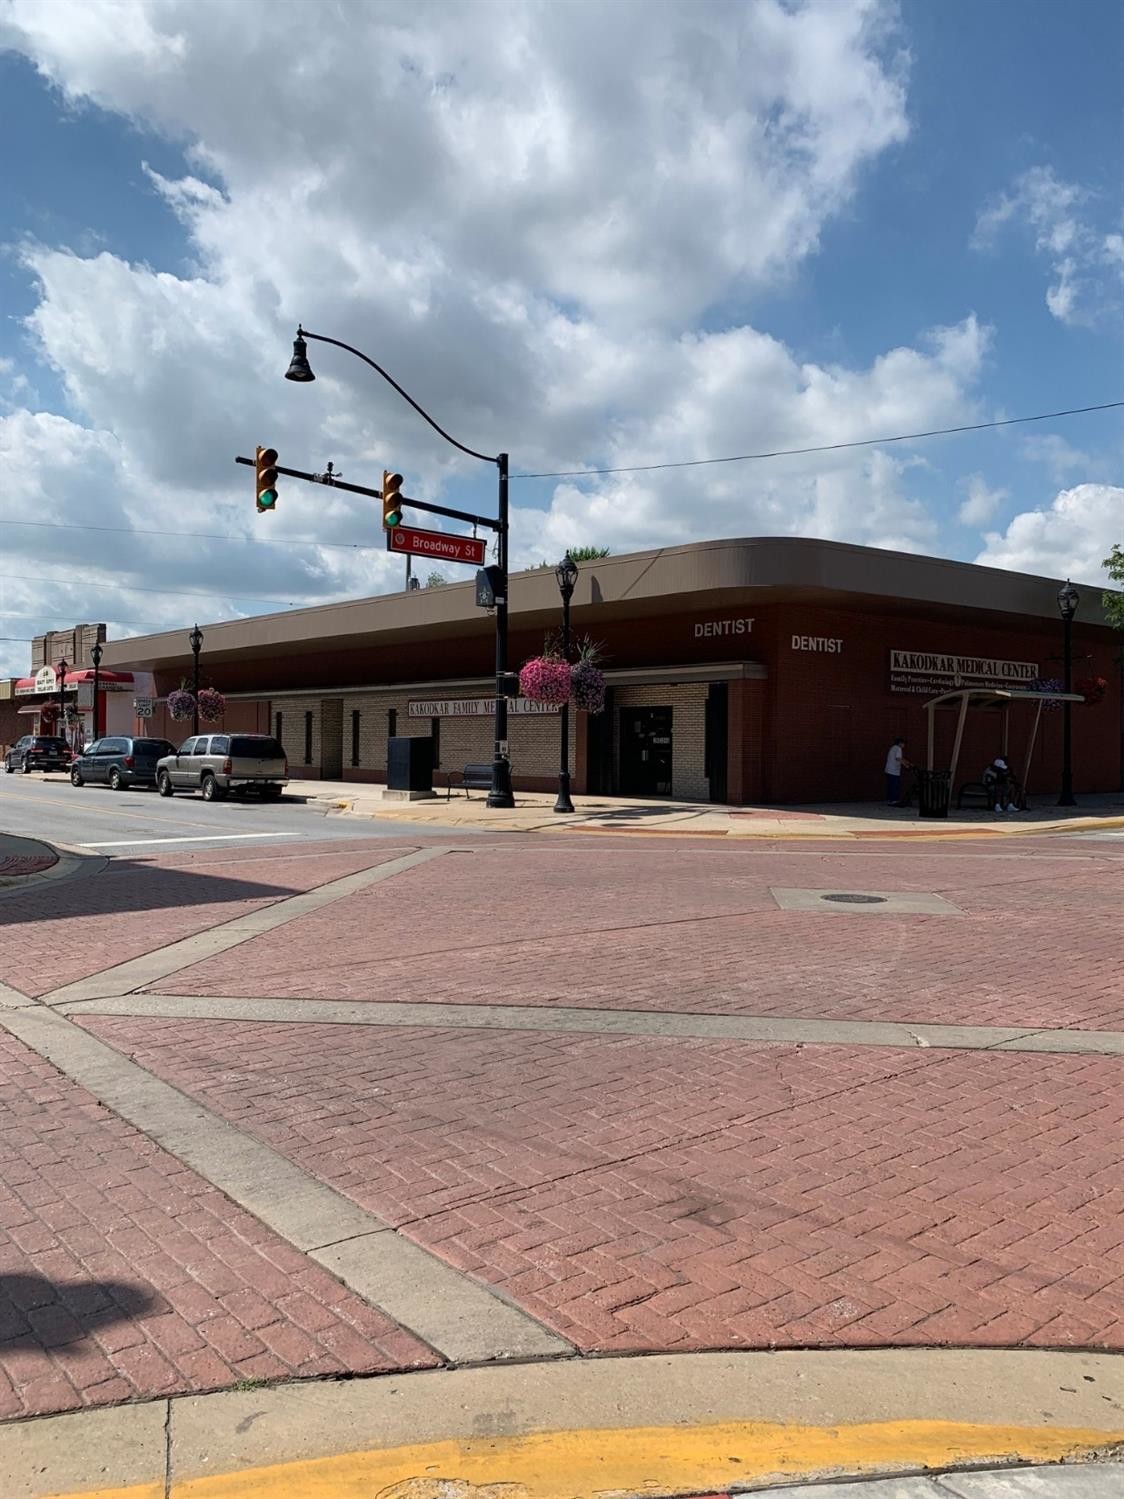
(827, 447)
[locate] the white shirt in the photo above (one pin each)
(894, 760)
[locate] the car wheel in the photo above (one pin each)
(272, 793)
(76, 778)
(212, 791)
(25, 767)
(115, 781)
(7, 767)
(164, 783)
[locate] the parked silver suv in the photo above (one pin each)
(218, 763)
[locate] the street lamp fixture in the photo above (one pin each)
(1068, 600)
(95, 657)
(195, 640)
(567, 575)
(301, 371)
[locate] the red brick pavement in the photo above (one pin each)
(68, 931)
(123, 1274)
(588, 926)
(638, 1193)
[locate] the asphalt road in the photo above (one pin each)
(128, 822)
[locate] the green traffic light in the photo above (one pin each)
(267, 499)
(394, 517)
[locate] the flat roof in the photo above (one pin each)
(677, 579)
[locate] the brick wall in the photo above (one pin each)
(292, 711)
(688, 734)
(72, 646)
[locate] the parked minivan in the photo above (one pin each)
(119, 762)
(216, 764)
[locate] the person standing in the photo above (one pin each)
(896, 762)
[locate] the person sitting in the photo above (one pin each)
(1001, 785)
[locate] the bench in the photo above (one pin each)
(986, 794)
(471, 778)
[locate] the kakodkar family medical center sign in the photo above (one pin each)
(932, 672)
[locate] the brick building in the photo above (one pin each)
(771, 670)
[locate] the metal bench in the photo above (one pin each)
(471, 778)
(974, 789)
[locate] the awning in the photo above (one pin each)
(108, 681)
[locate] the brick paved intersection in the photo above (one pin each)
(656, 1190)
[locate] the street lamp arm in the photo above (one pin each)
(390, 380)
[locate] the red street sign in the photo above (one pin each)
(437, 545)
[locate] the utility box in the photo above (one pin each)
(409, 767)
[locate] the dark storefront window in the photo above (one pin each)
(308, 738)
(435, 735)
(355, 736)
(277, 730)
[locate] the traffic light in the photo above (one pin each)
(266, 484)
(391, 500)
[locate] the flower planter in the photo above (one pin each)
(587, 687)
(546, 679)
(212, 705)
(181, 705)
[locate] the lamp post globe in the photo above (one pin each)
(1068, 600)
(566, 575)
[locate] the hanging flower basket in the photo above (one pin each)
(1048, 684)
(181, 704)
(1092, 689)
(545, 679)
(587, 687)
(212, 705)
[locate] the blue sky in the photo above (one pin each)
(741, 226)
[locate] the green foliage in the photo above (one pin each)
(436, 580)
(579, 554)
(1114, 602)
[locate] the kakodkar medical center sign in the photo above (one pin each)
(932, 672)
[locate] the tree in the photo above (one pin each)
(436, 580)
(579, 554)
(1112, 600)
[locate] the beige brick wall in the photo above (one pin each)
(688, 733)
(292, 711)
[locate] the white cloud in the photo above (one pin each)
(981, 502)
(1070, 538)
(526, 212)
(1059, 214)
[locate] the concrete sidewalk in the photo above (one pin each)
(534, 813)
(687, 1424)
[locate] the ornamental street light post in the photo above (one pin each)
(300, 371)
(567, 574)
(95, 657)
(1068, 600)
(195, 640)
(63, 668)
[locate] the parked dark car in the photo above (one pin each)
(37, 752)
(119, 762)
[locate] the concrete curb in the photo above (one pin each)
(666, 1424)
(70, 864)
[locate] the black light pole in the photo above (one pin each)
(1068, 600)
(567, 574)
(63, 668)
(300, 371)
(196, 641)
(95, 657)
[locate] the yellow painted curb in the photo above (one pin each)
(658, 1460)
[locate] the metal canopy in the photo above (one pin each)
(995, 700)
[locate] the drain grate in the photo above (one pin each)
(858, 900)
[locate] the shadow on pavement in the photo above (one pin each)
(38, 1313)
(131, 885)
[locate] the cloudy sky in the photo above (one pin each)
(598, 235)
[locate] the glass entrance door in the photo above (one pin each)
(645, 764)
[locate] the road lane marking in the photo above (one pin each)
(202, 838)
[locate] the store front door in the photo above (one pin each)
(645, 764)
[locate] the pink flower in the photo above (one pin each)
(545, 679)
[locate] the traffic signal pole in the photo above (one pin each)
(501, 794)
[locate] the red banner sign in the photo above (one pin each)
(438, 546)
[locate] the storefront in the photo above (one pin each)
(774, 670)
(51, 703)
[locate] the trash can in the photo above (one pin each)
(934, 787)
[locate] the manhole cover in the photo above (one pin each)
(858, 900)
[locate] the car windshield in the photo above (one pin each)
(263, 749)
